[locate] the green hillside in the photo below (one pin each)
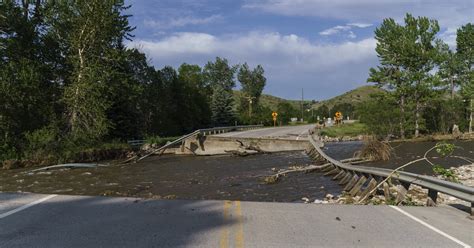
(353, 97)
(270, 101)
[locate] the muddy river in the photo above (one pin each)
(182, 177)
(216, 177)
(404, 152)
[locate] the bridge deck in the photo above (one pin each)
(299, 132)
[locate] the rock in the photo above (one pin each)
(329, 197)
(318, 201)
(305, 199)
(44, 173)
(86, 174)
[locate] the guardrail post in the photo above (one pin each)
(370, 186)
(351, 183)
(472, 211)
(357, 186)
(432, 197)
(345, 179)
(339, 175)
(333, 171)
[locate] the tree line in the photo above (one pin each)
(429, 87)
(68, 82)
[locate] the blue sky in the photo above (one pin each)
(323, 46)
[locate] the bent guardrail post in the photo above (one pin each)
(353, 179)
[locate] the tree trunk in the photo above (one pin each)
(402, 117)
(452, 87)
(417, 118)
(74, 113)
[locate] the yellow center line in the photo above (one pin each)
(224, 241)
(239, 237)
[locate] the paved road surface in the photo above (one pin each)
(28, 220)
(287, 132)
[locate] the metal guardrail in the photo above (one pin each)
(207, 131)
(434, 185)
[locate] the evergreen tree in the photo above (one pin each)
(219, 75)
(222, 106)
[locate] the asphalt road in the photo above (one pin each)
(299, 132)
(28, 220)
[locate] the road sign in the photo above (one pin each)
(338, 117)
(274, 115)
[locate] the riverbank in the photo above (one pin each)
(357, 131)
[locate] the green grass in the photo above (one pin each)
(157, 140)
(350, 130)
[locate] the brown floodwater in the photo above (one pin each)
(404, 152)
(217, 177)
(182, 177)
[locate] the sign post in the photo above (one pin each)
(274, 116)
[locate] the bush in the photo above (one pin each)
(42, 143)
(375, 150)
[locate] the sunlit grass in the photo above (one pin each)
(352, 129)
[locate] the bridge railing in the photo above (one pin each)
(434, 185)
(206, 131)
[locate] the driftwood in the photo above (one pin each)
(72, 166)
(274, 178)
(250, 147)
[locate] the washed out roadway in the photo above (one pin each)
(85, 221)
(299, 132)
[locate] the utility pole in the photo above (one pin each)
(250, 99)
(302, 104)
(470, 118)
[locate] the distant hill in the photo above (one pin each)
(354, 96)
(270, 101)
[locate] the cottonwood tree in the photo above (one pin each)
(406, 54)
(252, 82)
(465, 50)
(95, 31)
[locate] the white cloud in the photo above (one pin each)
(346, 29)
(360, 25)
(182, 21)
(287, 59)
(334, 30)
(451, 14)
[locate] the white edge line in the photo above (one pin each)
(31, 204)
(431, 227)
